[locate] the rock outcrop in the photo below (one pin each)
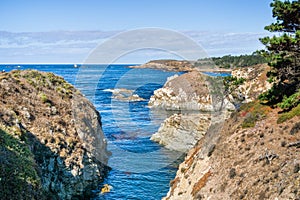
(124, 94)
(253, 155)
(190, 91)
(167, 65)
(180, 132)
(60, 132)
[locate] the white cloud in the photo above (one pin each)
(74, 47)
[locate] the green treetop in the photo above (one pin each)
(283, 50)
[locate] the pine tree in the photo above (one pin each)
(283, 50)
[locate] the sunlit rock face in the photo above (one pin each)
(62, 131)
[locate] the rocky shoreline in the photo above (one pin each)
(244, 153)
(211, 137)
(61, 133)
(189, 97)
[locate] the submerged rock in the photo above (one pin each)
(124, 94)
(61, 133)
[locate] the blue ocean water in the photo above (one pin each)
(141, 169)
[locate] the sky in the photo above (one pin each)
(20, 19)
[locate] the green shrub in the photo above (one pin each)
(290, 102)
(289, 115)
(44, 97)
(230, 81)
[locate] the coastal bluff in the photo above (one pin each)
(196, 109)
(243, 160)
(189, 97)
(253, 153)
(51, 139)
(167, 65)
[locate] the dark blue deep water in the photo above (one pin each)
(141, 169)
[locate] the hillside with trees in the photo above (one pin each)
(231, 62)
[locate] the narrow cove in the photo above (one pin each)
(141, 169)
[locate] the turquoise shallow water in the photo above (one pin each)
(141, 169)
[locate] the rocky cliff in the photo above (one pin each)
(192, 93)
(243, 160)
(167, 65)
(254, 154)
(181, 131)
(190, 96)
(52, 144)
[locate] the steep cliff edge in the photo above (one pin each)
(52, 144)
(254, 154)
(188, 95)
(242, 160)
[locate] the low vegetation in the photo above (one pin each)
(18, 172)
(253, 112)
(232, 82)
(231, 62)
(289, 114)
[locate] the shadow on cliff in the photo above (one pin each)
(30, 170)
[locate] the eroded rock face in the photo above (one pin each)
(61, 128)
(189, 91)
(232, 162)
(190, 94)
(242, 163)
(180, 132)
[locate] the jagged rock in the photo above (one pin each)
(59, 128)
(190, 91)
(180, 132)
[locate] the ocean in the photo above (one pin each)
(140, 168)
